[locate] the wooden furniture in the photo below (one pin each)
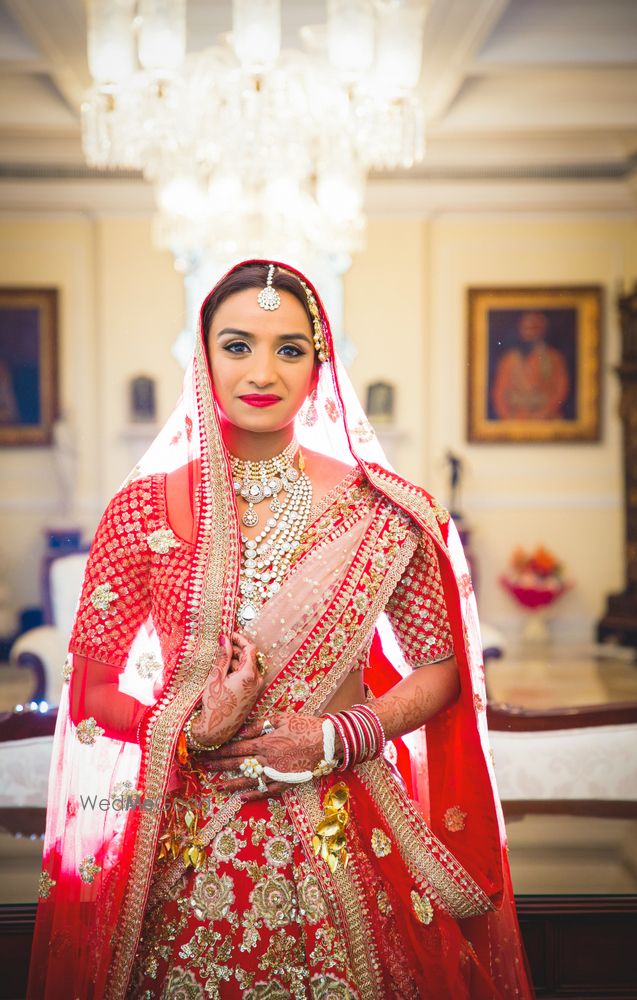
(620, 621)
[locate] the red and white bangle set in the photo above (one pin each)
(361, 734)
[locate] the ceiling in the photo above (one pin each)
(517, 91)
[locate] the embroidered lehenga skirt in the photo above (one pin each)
(262, 920)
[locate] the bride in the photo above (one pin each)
(268, 609)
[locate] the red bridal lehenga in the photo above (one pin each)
(424, 907)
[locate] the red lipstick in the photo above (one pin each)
(260, 400)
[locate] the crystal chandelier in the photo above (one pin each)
(253, 148)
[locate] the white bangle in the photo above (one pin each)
(324, 766)
(289, 777)
(329, 741)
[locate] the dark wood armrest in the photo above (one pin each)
(516, 719)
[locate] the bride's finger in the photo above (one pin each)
(274, 788)
(224, 657)
(255, 728)
(236, 785)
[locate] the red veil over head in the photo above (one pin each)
(138, 692)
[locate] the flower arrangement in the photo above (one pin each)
(535, 580)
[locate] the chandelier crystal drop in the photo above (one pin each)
(249, 143)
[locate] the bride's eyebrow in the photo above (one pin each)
(234, 332)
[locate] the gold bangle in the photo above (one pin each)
(191, 741)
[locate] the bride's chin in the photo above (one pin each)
(260, 424)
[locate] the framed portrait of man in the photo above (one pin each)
(534, 364)
(28, 365)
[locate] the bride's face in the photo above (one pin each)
(257, 355)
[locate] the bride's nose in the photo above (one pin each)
(263, 371)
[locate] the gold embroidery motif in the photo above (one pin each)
(311, 903)
(88, 731)
(327, 987)
(454, 819)
(67, 669)
(125, 790)
(382, 901)
(103, 596)
(148, 665)
(300, 690)
(422, 907)
(212, 896)
(45, 884)
(274, 901)
(278, 851)
(478, 702)
(381, 843)
(226, 845)
(441, 512)
(88, 869)
(162, 541)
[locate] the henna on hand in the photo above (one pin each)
(419, 696)
(295, 745)
(231, 690)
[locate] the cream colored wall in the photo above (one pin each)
(406, 300)
(121, 306)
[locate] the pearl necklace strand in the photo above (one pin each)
(266, 559)
(257, 481)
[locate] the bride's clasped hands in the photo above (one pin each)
(290, 742)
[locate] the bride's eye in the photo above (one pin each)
(296, 352)
(236, 347)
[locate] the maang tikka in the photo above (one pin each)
(268, 298)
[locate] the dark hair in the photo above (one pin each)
(252, 276)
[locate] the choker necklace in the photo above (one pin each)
(262, 480)
(266, 559)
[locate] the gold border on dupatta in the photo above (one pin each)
(215, 560)
(431, 513)
(426, 857)
(335, 675)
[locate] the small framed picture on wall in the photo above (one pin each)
(534, 364)
(28, 365)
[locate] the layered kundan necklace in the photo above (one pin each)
(266, 559)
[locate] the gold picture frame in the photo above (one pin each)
(534, 364)
(28, 365)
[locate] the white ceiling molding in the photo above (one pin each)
(416, 199)
(533, 104)
(454, 32)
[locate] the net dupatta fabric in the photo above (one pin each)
(128, 697)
